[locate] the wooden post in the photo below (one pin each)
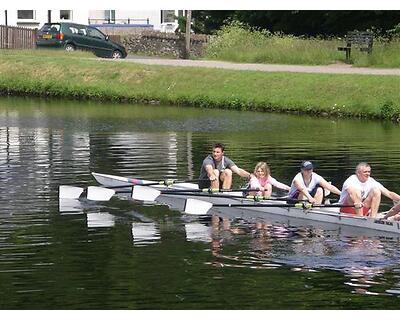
(6, 34)
(187, 36)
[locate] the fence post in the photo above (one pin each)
(6, 37)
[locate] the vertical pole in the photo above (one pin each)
(6, 35)
(187, 37)
(49, 16)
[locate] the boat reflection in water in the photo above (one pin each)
(70, 206)
(197, 231)
(145, 233)
(363, 260)
(100, 220)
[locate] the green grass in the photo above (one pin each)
(80, 76)
(239, 43)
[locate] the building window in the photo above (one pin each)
(65, 14)
(26, 14)
(167, 16)
(109, 16)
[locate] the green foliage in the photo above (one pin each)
(389, 111)
(394, 32)
(240, 43)
(300, 22)
(181, 24)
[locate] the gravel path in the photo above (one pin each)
(338, 68)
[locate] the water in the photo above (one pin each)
(124, 255)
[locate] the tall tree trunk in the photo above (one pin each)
(187, 36)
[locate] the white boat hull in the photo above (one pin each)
(254, 213)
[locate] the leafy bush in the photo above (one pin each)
(240, 43)
(390, 112)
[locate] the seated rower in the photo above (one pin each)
(217, 169)
(364, 192)
(308, 185)
(262, 180)
(393, 213)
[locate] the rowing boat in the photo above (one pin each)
(248, 209)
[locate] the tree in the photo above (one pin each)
(300, 22)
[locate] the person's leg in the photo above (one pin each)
(319, 195)
(354, 197)
(226, 178)
(215, 183)
(267, 190)
(373, 201)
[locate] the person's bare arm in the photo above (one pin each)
(239, 171)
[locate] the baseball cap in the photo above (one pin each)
(307, 165)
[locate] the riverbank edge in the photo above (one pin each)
(63, 77)
(234, 105)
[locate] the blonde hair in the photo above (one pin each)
(264, 167)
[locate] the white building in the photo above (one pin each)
(163, 20)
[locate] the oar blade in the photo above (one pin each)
(197, 207)
(99, 193)
(69, 192)
(144, 193)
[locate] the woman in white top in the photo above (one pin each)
(307, 185)
(262, 180)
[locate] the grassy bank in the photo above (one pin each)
(80, 76)
(239, 43)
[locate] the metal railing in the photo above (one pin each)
(119, 21)
(17, 37)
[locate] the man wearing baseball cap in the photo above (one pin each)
(308, 185)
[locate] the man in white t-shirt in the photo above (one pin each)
(364, 192)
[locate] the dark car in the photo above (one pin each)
(72, 36)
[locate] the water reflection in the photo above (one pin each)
(196, 231)
(100, 220)
(363, 260)
(70, 206)
(145, 233)
(45, 144)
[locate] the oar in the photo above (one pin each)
(69, 192)
(93, 193)
(144, 193)
(199, 207)
(166, 182)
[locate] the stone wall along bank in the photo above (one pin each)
(157, 43)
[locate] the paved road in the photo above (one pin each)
(333, 68)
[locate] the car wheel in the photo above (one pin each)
(69, 47)
(117, 54)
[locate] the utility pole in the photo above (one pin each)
(187, 36)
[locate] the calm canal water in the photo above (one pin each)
(124, 255)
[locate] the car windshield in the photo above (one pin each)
(95, 33)
(51, 27)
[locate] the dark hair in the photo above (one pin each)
(219, 145)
